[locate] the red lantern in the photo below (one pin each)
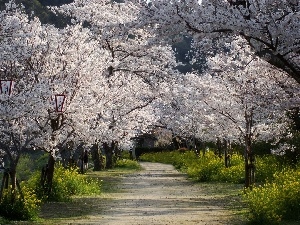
(6, 86)
(59, 103)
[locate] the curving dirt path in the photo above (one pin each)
(157, 195)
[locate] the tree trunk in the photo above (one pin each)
(226, 154)
(96, 157)
(4, 184)
(249, 155)
(175, 142)
(249, 164)
(13, 178)
(50, 174)
(219, 147)
(247, 174)
(97, 162)
(13, 182)
(109, 155)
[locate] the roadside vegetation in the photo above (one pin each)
(68, 186)
(275, 197)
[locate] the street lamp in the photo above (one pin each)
(6, 86)
(57, 118)
(112, 123)
(56, 122)
(59, 102)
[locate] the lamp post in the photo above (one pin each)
(6, 86)
(59, 102)
(56, 123)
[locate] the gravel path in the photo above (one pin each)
(158, 195)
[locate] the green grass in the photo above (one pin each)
(126, 164)
(229, 196)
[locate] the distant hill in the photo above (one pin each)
(55, 2)
(184, 55)
(39, 7)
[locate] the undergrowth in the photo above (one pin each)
(277, 197)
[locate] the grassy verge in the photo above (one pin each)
(80, 207)
(275, 202)
(227, 195)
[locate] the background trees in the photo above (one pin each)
(39, 9)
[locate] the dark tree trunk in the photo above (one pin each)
(109, 155)
(175, 142)
(219, 147)
(11, 174)
(5, 182)
(249, 155)
(13, 178)
(249, 172)
(49, 174)
(226, 154)
(96, 157)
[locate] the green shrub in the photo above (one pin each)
(205, 168)
(125, 154)
(128, 164)
(160, 157)
(24, 207)
(40, 161)
(180, 160)
(65, 184)
(266, 167)
(276, 200)
(210, 167)
(144, 150)
(30, 162)
(24, 168)
(233, 174)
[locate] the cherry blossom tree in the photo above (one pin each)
(265, 94)
(241, 98)
(271, 28)
(135, 69)
(70, 71)
(19, 40)
(179, 111)
(32, 55)
(102, 76)
(128, 46)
